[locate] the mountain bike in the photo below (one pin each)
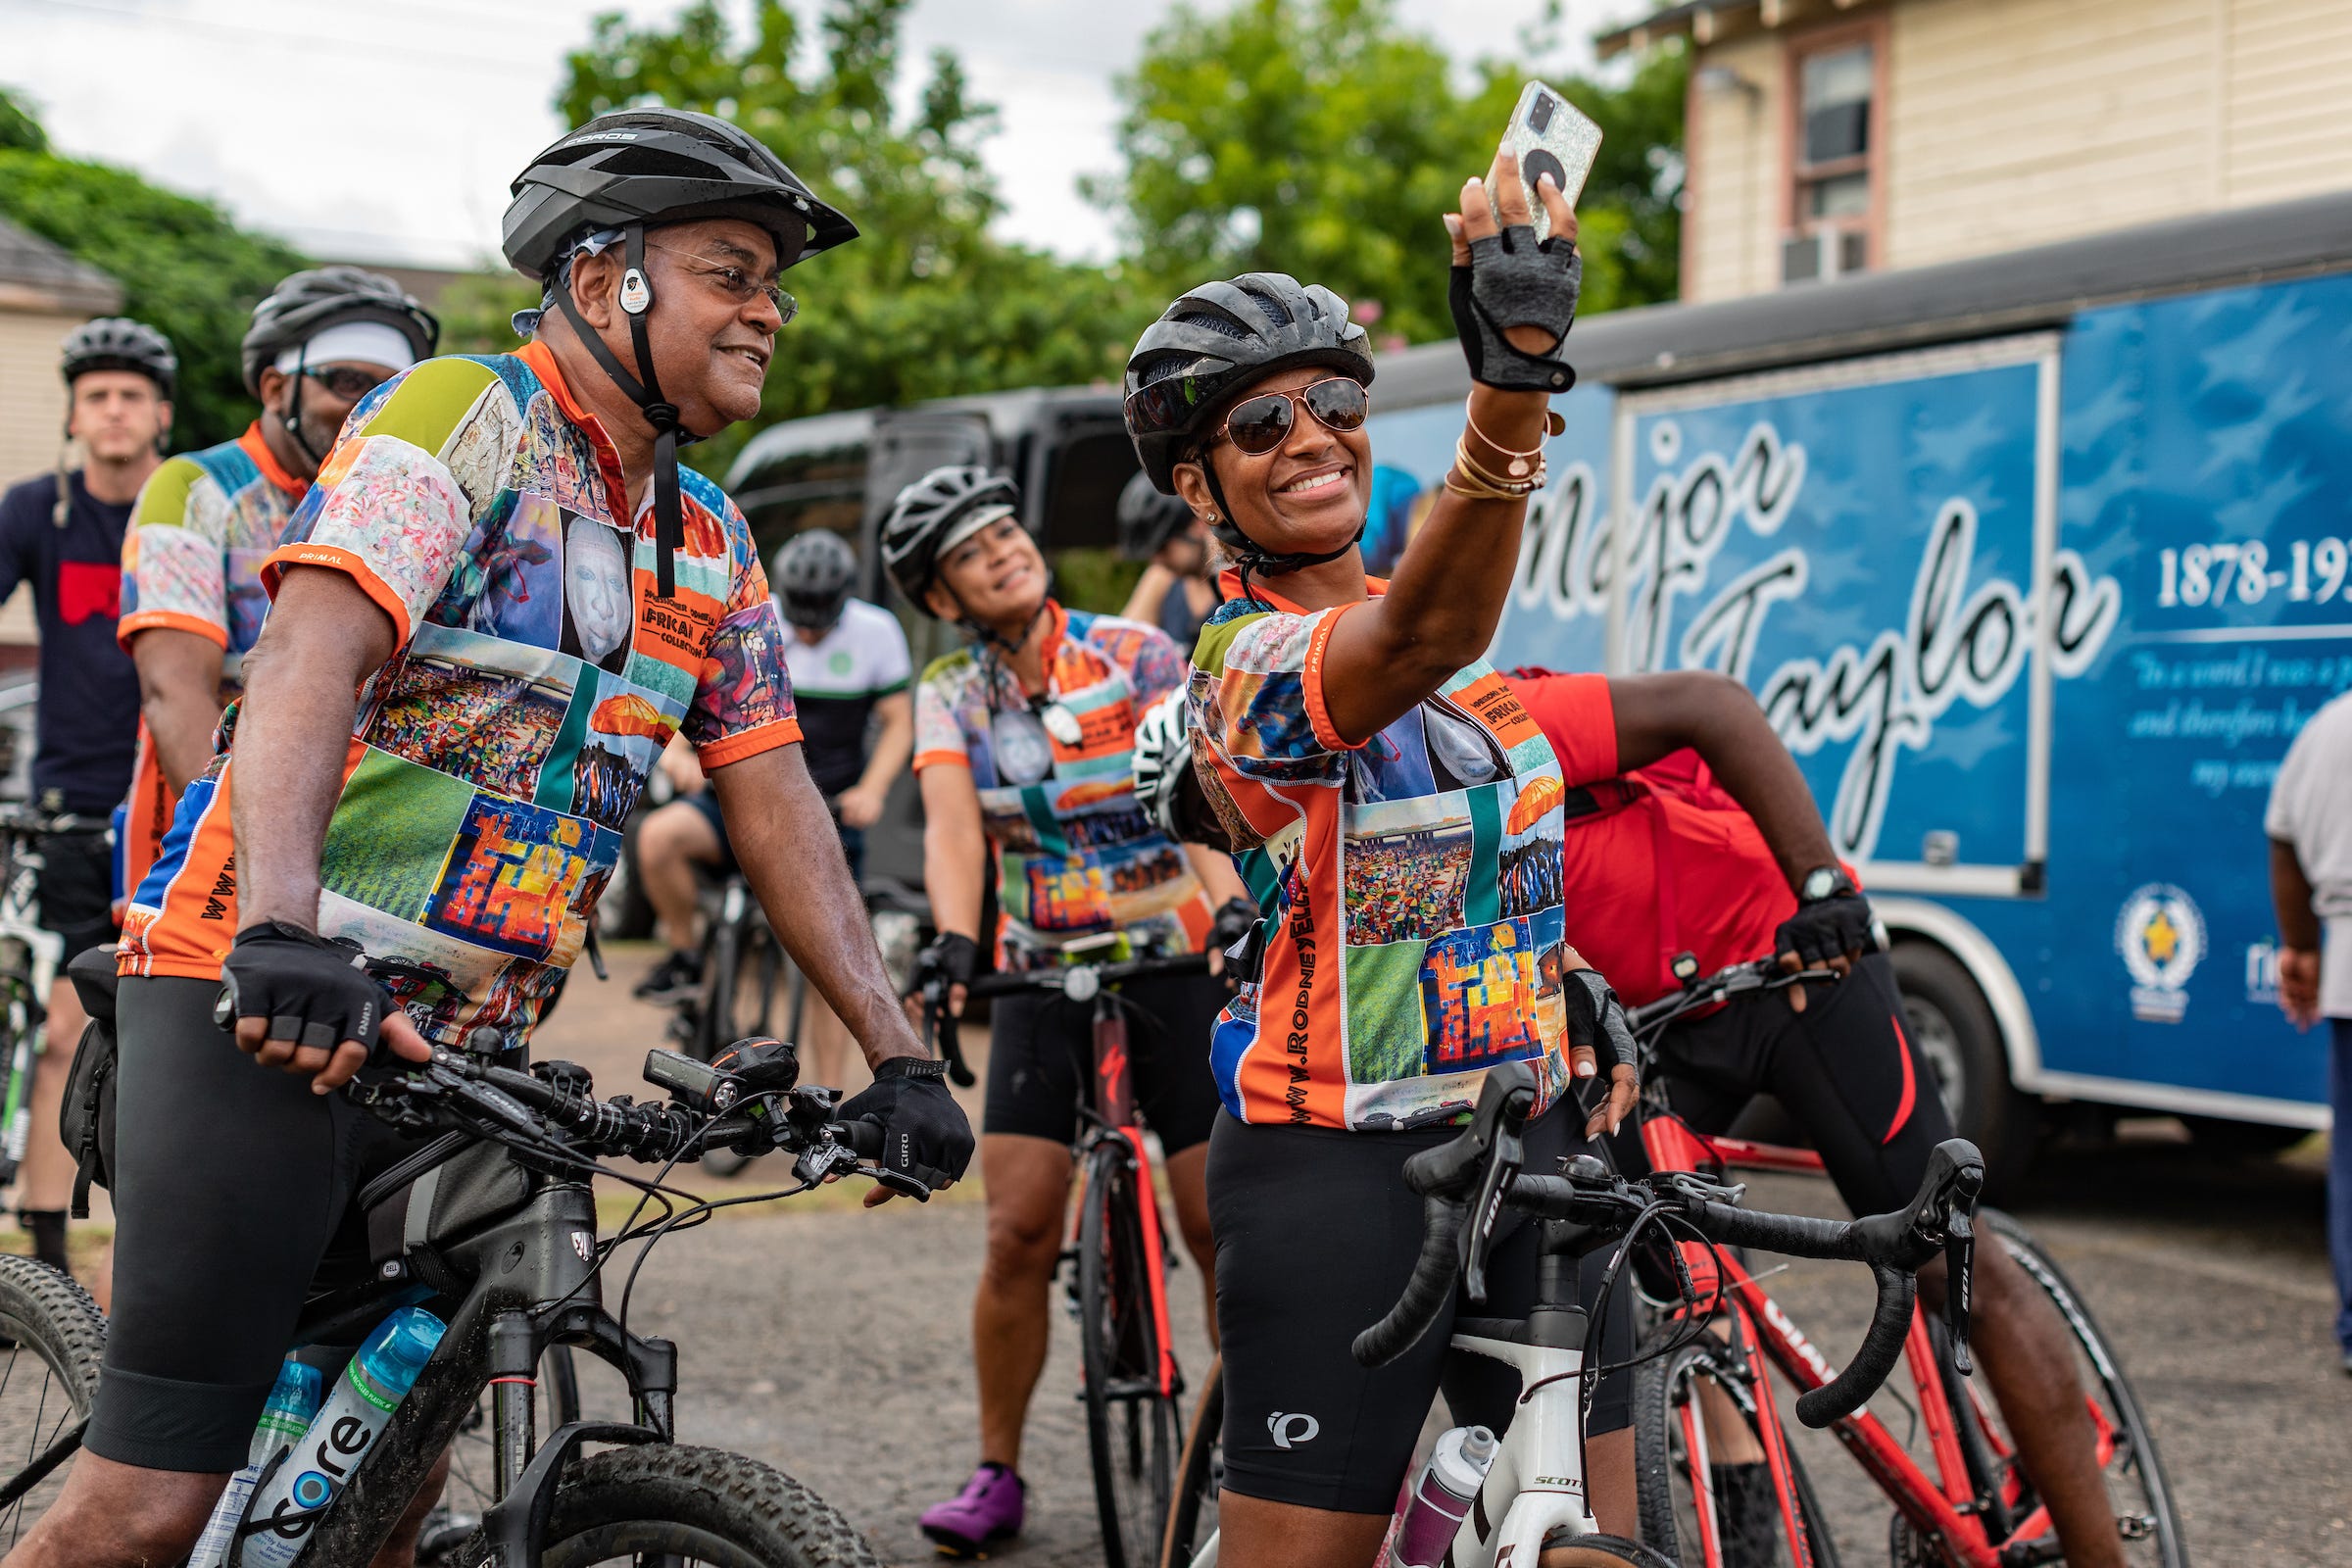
(1534, 1503)
(30, 962)
(1118, 1288)
(1711, 1400)
(492, 1225)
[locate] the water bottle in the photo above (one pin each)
(369, 1389)
(1441, 1498)
(285, 1419)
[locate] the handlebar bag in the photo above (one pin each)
(85, 1123)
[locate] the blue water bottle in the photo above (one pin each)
(369, 1389)
(285, 1419)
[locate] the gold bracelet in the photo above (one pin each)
(1515, 483)
(1520, 462)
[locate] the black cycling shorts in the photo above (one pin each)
(233, 1186)
(1316, 1236)
(77, 891)
(1845, 1068)
(1041, 1052)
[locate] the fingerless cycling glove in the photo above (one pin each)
(313, 992)
(1595, 1018)
(1827, 928)
(1513, 281)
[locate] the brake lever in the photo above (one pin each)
(1478, 1236)
(1959, 1275)
(941, 1035)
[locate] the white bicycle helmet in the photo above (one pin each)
(1163, 751)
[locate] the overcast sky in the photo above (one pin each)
(388, 130)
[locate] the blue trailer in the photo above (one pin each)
(2037, 563)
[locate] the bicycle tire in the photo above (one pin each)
(1130, 1425)
(25, 1017)
(2136, 1484)
(47, 1316)
(1666, 1485)
(1602, 1551)
(661, 1502)
(1200, 1473)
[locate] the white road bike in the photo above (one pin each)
(1532, 1510)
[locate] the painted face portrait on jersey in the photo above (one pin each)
(598, 607)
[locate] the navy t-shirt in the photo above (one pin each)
(88, 724)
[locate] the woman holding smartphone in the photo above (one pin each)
(1375, 772)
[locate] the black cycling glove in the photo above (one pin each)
(1233, 932)
(952, 957)
(313, 992)
(1513, 281)
(1595, 1018)
(926, 1142)
(1834, 927)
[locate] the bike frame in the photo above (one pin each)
(1110, 1115)
(1536, 1484)
(1946, 1509)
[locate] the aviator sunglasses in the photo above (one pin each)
(1258, 424)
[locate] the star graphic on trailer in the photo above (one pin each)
(2162, 938)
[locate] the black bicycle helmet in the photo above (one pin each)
(659, 166)
(813, 576)
(308, 302)
(1149, 519)
(1218, 341)
(636, 169)
(117, 343)
(934, 515)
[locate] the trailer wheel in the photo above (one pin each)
(1953, 1027)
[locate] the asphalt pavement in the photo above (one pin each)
(834, 1342)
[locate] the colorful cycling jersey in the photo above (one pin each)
(1075, 855)
(495, 755)
(1412, 938)
(192, 561)
(835, 681)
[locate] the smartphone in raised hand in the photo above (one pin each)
(1548, 135)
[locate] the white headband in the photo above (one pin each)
(978, 519)
(353, 342)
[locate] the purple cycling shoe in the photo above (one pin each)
(986, 1512)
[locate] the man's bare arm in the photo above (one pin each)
(180, 698)
(1715, 717)
(789, 849)
(324, 636)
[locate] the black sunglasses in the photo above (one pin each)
(346, 381)
(1258, 424)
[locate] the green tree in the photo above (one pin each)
(1322, 138)
(924, 303)
(185, 267)
(18, 127)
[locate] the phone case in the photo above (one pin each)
(1550, 135)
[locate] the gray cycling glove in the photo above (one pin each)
(1513, 281)
(1597, 1018)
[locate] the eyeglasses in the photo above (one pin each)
(346, 381)
(1258, 424)
(736, 284)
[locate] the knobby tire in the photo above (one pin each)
(1131, 1430)
(55, 1338)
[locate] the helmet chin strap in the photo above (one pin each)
(290, 421)
(636, 299)
(1253, 558)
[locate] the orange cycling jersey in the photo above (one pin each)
(1410, 882)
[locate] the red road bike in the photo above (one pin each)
(1118, 1288)
(1707, 1414)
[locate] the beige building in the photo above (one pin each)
(1832, 137)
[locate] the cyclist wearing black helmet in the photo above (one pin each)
(481, 560)
(1178, 588)
(1021, 748)
(1377, 775)
(63, 535)
(193, 599)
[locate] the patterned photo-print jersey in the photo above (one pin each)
(192, 558)
(1411, 884)
(498, 753)
(1075, 855)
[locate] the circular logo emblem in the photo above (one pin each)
(2161, 938)
(312, 1489)
(840, 662)
(635, 293)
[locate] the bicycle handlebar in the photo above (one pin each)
(32, 822)
(1079, 982)
(1475, 1175)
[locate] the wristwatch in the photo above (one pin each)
(915, 1068)
(1824, 882)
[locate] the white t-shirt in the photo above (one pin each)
(2311, 808)
(834, 683)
